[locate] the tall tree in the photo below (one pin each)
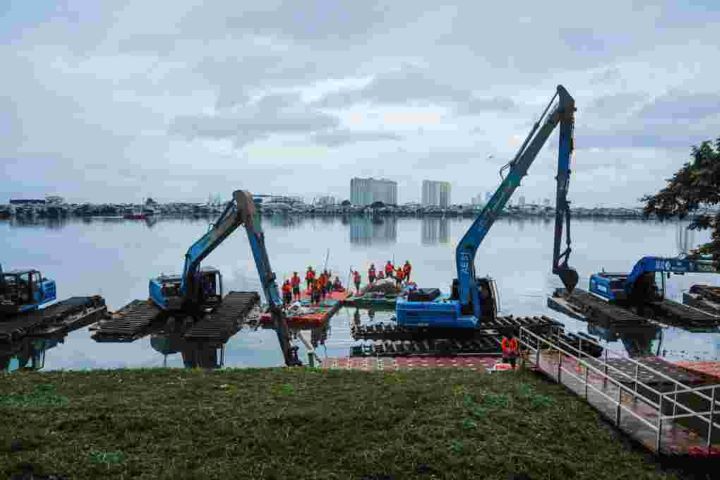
(691, 190)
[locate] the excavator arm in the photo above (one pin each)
(671, 265)
(256, 238)
(466, 250)
(239, 211)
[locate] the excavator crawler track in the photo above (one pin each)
(132, 321)
(226, 319)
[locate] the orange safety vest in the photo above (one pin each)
(389, 269)
(399, 274)
(295, 281)
(509, 345)
(286, 288)
(310, 275)
(407, 268)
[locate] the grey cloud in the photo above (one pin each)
(407, 85)
(311, 20)
(606, 75)
(342, 137)
(669, 138)
(660, 123)
(272, 114)
(582, 39)
(617, 105)
(441, 159)
(682, 106)
(480, 105)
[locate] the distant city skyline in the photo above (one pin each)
(210, 198)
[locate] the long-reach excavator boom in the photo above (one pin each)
(196, 288)
(518, 167)
(473, 299)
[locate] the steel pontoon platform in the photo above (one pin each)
(141, 317)
(56, 319)
(586, 306)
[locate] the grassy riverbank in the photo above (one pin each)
(277, 423)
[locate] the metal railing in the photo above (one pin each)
(609, 382)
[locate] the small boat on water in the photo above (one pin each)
(134, 214)
(149, 211)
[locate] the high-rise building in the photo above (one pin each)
(435, 194)
(365, 191)
(326, 200)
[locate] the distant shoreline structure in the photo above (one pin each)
(184, 210)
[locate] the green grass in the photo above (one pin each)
(279, 423)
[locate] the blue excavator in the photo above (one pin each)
(24, 291)
(641, 285)
(474, 300)
(197, 289)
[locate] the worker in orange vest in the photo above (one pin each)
(389, 269)
(314, 292)
(322, 285)
(309, 277)
(407, 268)
(510, 349)
(356, 281)
(399, 276)
(295, 283)
(287, 292)
(371, 273)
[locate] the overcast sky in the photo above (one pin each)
(120, 100)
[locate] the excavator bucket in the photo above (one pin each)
(569, 278)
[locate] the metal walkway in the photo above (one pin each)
(664, 407)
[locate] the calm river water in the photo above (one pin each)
(116, 257)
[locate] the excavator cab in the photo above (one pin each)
(487, 292)
(166, 292)
(24, 290)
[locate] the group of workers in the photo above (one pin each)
(401, 274)
(318, 286)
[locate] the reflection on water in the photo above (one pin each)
(29, 353)
(194, 354)
(638, 341)
(370, 230)
(435, 230)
